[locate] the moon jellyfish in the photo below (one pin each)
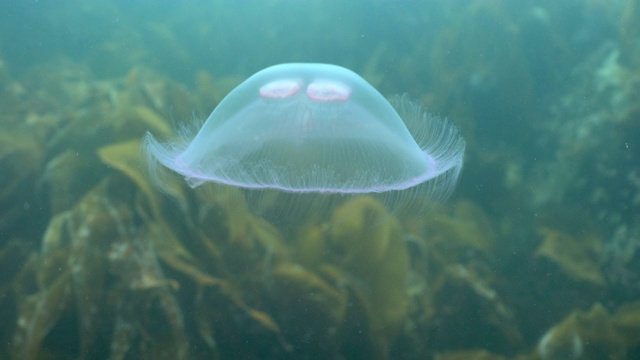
(318, 129)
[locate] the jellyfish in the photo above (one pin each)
(305, 128)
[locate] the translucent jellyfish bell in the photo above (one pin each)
(317, 128)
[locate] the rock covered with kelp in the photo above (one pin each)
(594, 173)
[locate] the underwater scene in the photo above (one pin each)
(320, 179)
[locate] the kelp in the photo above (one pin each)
(374, 251)
(570, 255)
(82, 250)
(593, 334)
